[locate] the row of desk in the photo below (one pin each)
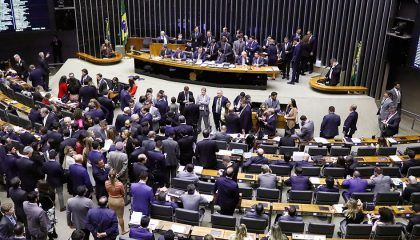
(19, 106)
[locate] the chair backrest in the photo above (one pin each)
(284, 149)
(416, 231)
(67, 114)
(28, 101)
(254, 168)
(289, 227)
(339, 151)
(388, 231)
(311, 171)
(181, 184)
(321, 229)
(146, 42)
(387, 151)
(269, 149)
(317, 151)
(246, 192)
(187, 216)
(19, 97)
(415, 198)
(416, 149)
(223, 221)
(254, 225)
(162, 212)
(280, 170)
(234, 145)
(334, 172)
(298, 196)
(222, 144)
(205, 187)
(10, 93)
(393, 172)
(387, 198)
(327, 198)
(270, 195)
(365, 172)
(220, 164)
(363, 196)
(366, 151)
(13, 119)
(358, 231)
(24, 123)
(414, 171)
(3, 115)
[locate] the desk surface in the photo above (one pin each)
(313, 82)
(176, 227)
(95, 60)
(246, 203)
(19, 106)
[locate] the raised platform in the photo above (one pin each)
(100, 61)
(313, 82)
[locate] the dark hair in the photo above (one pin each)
(169, 235)
(81, 190)
(144, 222)
(287, 156)
(329, 182)
(32, 196)
(15, 182)
(341, 161)
(78, 235)
(386, 215)
(63, 79)
(206, 133)
(189, 167)
(378, 170)
(273, 94)
(191, 188)
(259, 209)
(19, 229)
(291, 210)
(173, 100)
(331, 109)
(95, 145)
(161, 196)
(143, 175)
(84, 70)
(411, 154)
(298, 171)
(303, 118)
(66, 132)
(293, 101)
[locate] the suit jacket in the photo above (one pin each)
(182, 97)
(396, 99)
(6, 227)
(415, 219)
(142, 197)
(35, 116)
(410, 189)
(171, 148)
(275, 104)
(102, 220)
(238, 47)
(166, 53)
(109, 105)
(232, 122)
(186, 150)
(212, 52)
(227, 51)
(227, 194)
(221, 58)
(297, 54)
(54, 173)
(103, 85)
(148, 144)
(10, 166)
(220, 136)
(18, 196)
(185, 129)
(245, 118)
(26, 172)
(26, 138)
(191, 176)
(85, 78)
(408, 164)
(299, 183)
(239, 59)
(137, 232)
(37, 220)
(381, 184)
(334, 79)
(207, 41)
(51, 118)
(270, 127)
(36, 76)
(192, 201)
(354, 185)
(205, 152)
(179, 55)
(79, 176)
(256, 160)
(197, 39)
(119, 162)
(87, 93)
(313, 44)
(393, 124)
(307, 131)
(96, 113)
(223, 103)
(286, 51)
(124, 99)
(384, 108)
(350, 123)
(21, 69)
(287, 142)
(192, 113)
(120, 121)
(267, 180)
(202, 56)
(77, 210)
(329, 125)
(251, 48)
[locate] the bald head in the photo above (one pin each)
(103, 201)
(356, 174)
(223, 129)
(412, 180)
(260, 151)
(127, 110)
(78, 158)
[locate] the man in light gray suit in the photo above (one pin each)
(203, 101)
(306, 129)
(222, 135)
(118, 160)
(238, 46)
(384, 109)
(149, 144)
(155, 117)
(273, 102)
(267, 179)
(188, 173)
(396, 95)
(170, 148)
(379, 182)
(77, 209)
(37, 219)
(100, 130)
(192, 200)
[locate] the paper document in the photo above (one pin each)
(356, 140)
(153, 224)
(136, 218)
(315, 180)
(178, 228)
(298, 156)
(391, 140)
(321, 140)
(396, 181)
(338, 208)
(395, 158)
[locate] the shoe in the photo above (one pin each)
(283, 77)
(310, 72)
(291, 83)
(62, 209)
(287, 77)
(303, 74)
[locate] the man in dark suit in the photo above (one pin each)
(184, 97)
(18, 196)
(139, 166)
(226, 49)
(251, 47)
(354, 184)
(411, 162)
(219, 102)
(37, 218)
(102, 222)
(258, 60)
(222, 135)
(26, 170)
(227, 193)
(199, 55)
(125, 97)
(186, 144)
(157, 165)
(86, 93)
(415, 218)
(270, 123)
(142, 195)
(103, 84)
(242, 59)
(232, 122)
(299, 182)
(226, 34)
(171, 149)
(286, 51)
(79, 175)
(55, 173)
(8, 220)
(107, 104)
(192, 114)
(287, 140)
(85, 76)
(312, 54)
(296, 58)
(36, 76)
(297, 34)
(165, 52)
(163, 38)
(35, 115)
(412, 187)
(259, 159)
(330, 124)
(122, 118)
(349, 126)
(183, 128)
(208, 39)
(42, 63)
(221, 58)
(391, 123)
(67, 141)
(205, 151)
(245, 117)
(196, 38)
(212, 52)
(20, 67)
(332, 78)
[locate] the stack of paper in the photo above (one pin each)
(315, 180)
(224, 152)
(298, 156)
(395, 158)
(136, 218)
(178, 228)
(338, 208)
(356, 140)
(391, 140)
(321, 140)
(153, 224)
(396, 181)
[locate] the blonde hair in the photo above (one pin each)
(352, 208)
(276, 233)
(112, 177)
(241, 232)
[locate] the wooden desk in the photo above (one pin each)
(271, 157)
(407, 139)
(373, 159)
(166, 225)
(20, 82)
(203, 231)
(100, 61)
(313, 82)
(19, 106)
(155, 48)
(210, 173)
(246, 203)
(304, 208)
(281, 122)
(247, 177)
(182, 71)
(136, 42)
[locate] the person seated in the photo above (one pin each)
(46, 99)
(180, 39)
(386, 217)
(161, 199)
(289, 215)
(257, 212)
(192, 199)
(258, 60)
(243, 59)
(241, 233)
(287, 140)
(188, 173)
(286, 161)
(332, 78)
(305, 162)
(221, 58)
(165, 52)
(354, 184)
(299, 182)
(414, 219)
(351, 165)
(266, 179)
(222, 135)
(141, 232)
(199, 55)
(412, 187)
(259, 159)
(353, 213)
(227, 163)
(411, 162)
(163, 38)
(179, 55)
(168, 235)
(379, 182)
(328, 187)
(106, 50)
(275, 233)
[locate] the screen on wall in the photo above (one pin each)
(417, 56)
(23, 15)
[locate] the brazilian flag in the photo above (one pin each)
(355, 67)
(124, 26)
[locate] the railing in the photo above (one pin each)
(414, 116)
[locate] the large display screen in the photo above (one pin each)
(23, 15)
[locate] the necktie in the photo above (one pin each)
(218, 105)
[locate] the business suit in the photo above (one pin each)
(124, 99)
(232, 123)
(258, 61)
(196, 39)
(36, 76)
(192, 114)
(216, 108)
(184, 96)
(190, 176)
(7, 224)
(109, 105)
(287, 141)
(100, 220)
(349, 126)
(380, 183)
(166, 53)
(272, 55)
(179, 55)
(391, 126)
(171, 148)
(35, 116)
(27, 173)
(18, 196)
(79, 176)
(148, 144)
(238, 47)
(184, 129)
(21, 69)
(186, 144)
(192, 201)
(313, 48)
(240, 60)
(245, 119)
(410, 189)
(208, 40)
(199, 56)
(333, 75)
(286, 57)
(137, 169)
(205, 152)
(354, 185)
(142, 197)
(9, 167)
(77, 210)
(87, 93)
(256, 160)
(409, 163)
(138, 232)
(212, 52)
(38, 221)
(118, 161)
(55, 173)
(396, 97)
(227, 195)
(270, 127)
(296, 59)
(299, 182)
(226, 49)
(163, 39)
(329, 125)
(251, 47)
(158, 167)
(221, 58)
(221, 136)
(49, 120)
(267, 180)
(103, 85)
(120, 121)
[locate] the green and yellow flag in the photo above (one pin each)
(355, 68)
(124, 26)
(107, 30)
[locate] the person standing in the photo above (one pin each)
(312, 51)
(238, 46)
(185, 97)
(273, 102)
(170, 148)
(196, 38)
(219, 102)
(142, 195)
(227, 193)
(18, 196)
(36, 76)
(383, 110)
(203, 101)
(55, 173)
(26, 170)
(42, 63)
(296, 58)
(206, 151)
(37, 218)
(116, 193)
(245, 117)
(79, 175)
(118, 161)
(8, 220)
(330, 124)
(286, 51)
(379, 182)
(77, 210)
(391, 123)
(102, 222)
(396, 95)
(349, 126)
(20, 67)
(56, 46)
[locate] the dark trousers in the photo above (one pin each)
(216, 118)
(46, 82)
(286, 68)
(311, 63)
(295, 72)
(58, 57)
